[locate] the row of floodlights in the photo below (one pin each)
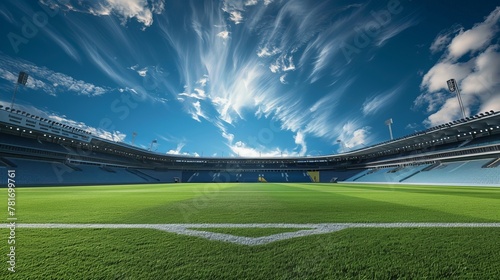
(44, 120)
(116, 151)
(64, 139)
(18, 129)
(464, 120)
(440, 140)
(45, 135)
(57, 138)
(480, 131)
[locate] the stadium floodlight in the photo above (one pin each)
(134, 134)
(342, 146)
(389, 124)
(22, 79)
(151, 146)
(453, 87)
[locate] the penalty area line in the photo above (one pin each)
(302, 229)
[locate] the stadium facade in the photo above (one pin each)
(45, 152)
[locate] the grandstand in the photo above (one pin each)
(465, 151)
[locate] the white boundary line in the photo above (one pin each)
(304, 229)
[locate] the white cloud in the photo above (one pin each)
(236, 17)
(42, 78)
(442, 40)
(435, 79)
(178, 151)
(301, 141)
(485, 72)
(265, 52)
(288, 64)
(283, 79)
(228, 136)
(242, 149)
(251, 2)
(141, 10)
(223, 34)
(200, 94)
(476, 38)
(234, 8)
(353, 137)
(447, 112)
(477, 74)
(491, 104)
(142, 72)
(197, 112)
(274, 68)
(203, 81)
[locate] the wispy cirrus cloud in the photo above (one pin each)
(150, 83)
(298, 41)
(141, 10)
(49, 81)
(375, 103)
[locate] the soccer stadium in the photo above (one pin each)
(305, 217)
(391, 190)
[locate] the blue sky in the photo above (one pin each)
(250, 77)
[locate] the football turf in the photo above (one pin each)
(359, 253)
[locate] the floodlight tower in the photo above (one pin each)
(22, 79)
(389, 124)
(342, 145)
(134, 134)
(453, 86)
(151, 146)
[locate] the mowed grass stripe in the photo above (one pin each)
(475, 202)
(360, 207)
(432, 253)
(256, 203)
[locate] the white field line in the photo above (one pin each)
(304, 229)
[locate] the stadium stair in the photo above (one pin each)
(359, 177)
(144, 176)
(107, 169)
(370, 171)
(409, 176)
(465, 143)
(430, 167)
(75, 168)
(492, 164)
(7, 163)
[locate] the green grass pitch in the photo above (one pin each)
(355, 253)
